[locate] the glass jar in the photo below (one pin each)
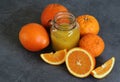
(65, 32)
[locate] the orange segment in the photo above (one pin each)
(105, 69)
(79, 62)
(56, 58)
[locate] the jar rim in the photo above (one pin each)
(69, 15)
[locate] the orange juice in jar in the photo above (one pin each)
(65, 31)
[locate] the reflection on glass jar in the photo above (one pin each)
(65, 31)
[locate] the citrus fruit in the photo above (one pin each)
(56, 58)
(88, 24)
(93, 43)
(33, 37)
(104, 70)
(79, 62)
(49, 12)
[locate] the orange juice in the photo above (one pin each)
(65, 31)
(65, 39)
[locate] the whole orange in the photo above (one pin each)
(93, 43)
(49, 12)
(88, 24)
(33, 37)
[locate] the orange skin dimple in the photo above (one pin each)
(93, 44)
(33, 37)
(88, 24)
(49, 12)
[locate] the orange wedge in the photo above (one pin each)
(105, 69)
(56, 58)
(79, 62)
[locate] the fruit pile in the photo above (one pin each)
(80, 61)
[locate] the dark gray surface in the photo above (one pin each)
(20, 65)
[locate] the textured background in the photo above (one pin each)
(20, 65)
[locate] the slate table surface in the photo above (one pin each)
(19, 65)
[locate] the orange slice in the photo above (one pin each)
(56, 58)
(105, 69)
(79, 62)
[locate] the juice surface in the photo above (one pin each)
(65, 39)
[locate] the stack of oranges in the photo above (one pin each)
(80, 61)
